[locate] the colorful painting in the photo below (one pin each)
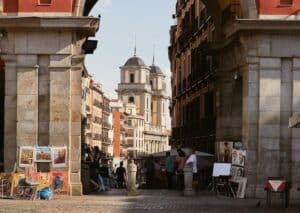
(18, 179)
(238, 157)
(43, 178)
(59, 182)
(225, 151)
(5, 183)
(43, 154)
(59, 156)
(26, 156)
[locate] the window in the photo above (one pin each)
(45, 2)
(286, 2)
(131, 78)
(131, 99)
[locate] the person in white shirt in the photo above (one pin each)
(192, 159)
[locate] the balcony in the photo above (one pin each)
(130, 86)
(97, 120)
(97, 137)
(98, 104)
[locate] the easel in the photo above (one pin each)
(220, 178)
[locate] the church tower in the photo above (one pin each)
(135, 86)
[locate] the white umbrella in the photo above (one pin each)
(173, 152)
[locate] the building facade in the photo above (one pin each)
(145, 88)
(43, 46)
(251, 55)
(107, 136)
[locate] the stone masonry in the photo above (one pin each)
(43, 68)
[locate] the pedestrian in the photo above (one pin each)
(180, 160)
(103, 176)
(89, 160)
(121, 176)
(150, 172)
(192, 160)
(169, 169)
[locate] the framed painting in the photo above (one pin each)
(43, 154)
(26, 155)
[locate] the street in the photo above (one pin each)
(116, 201)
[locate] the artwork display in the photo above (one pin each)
(5, 185)
(225, 151)
(26, 156)
(221, 169)
(238, 157)
(43, 154)
(237, 171)
(59, 182)
(59, 156)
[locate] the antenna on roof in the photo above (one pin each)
(135, 46)
(153, 59)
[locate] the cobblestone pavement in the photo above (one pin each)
(161, 201)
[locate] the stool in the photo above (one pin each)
(277, 185)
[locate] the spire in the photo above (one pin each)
(153, 59)
(134, 46)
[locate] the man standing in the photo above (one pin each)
(169, 169)
(121, 176)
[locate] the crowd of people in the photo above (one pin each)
(152, 172)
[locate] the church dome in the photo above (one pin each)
(155, 70)
(135, 61)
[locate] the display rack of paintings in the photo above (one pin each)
(55, 155)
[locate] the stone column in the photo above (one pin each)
(27, 100)
(250, 121)
(269, 121)
(10, 116)
(188, 180)
(75, 130)
(295, 146)
(132, 187)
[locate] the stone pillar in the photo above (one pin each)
(250, 121)
(10, 115)
(27, 100)
(188, 180)
(269, 121)
(295, 146)
(132, 186)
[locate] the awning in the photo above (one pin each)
(173, 152)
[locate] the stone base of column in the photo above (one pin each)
(75, 189)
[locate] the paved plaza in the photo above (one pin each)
(116, 201)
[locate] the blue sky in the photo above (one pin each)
(121, 20)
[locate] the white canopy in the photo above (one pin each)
(173, 152)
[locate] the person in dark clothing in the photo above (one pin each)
(103, 176)
(169, 169)
(121, 176)
(150, 172)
